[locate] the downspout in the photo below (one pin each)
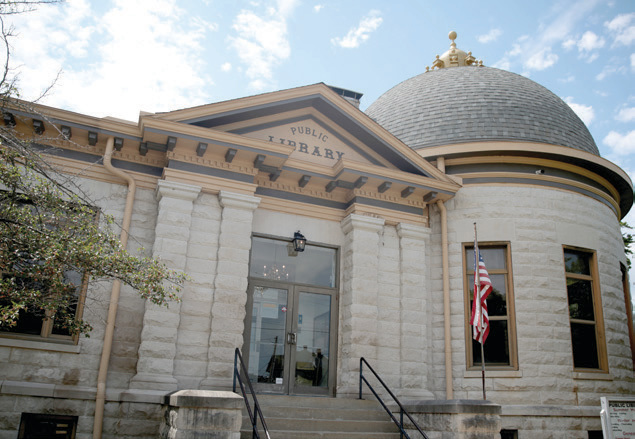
(449, 394)
(100, 400)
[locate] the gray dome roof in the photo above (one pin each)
(475, 104)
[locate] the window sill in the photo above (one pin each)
(493, 374)
(39, 345)
(602, 376)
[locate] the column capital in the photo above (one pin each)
(361, 222)
(414, 231)
(238, 201)
(174, 189)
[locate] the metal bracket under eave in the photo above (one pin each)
(430, 197)
(304, 180)
(274, 172)
(144, 147)
(407, 192)
(200, 149)
(361, 181)
(229, 156)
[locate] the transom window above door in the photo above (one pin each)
(277, 261)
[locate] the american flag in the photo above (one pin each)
(482, 289)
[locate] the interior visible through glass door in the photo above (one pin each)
(268, 338)
(312, 324)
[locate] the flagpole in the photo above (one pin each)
(480, 318)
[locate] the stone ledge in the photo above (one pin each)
(54, 346)
(493, 374)
(30, 389)
(80, 392)
(452, 406)
(551, 410)
(592, 376)
(204, 399)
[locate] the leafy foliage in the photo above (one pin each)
(629, 239)
(48, 231)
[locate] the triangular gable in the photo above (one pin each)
(321, 126)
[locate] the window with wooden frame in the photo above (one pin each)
(43, 325)
(27, 275)
(500, 346)
(585, 310)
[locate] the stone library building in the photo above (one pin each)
(314, 234)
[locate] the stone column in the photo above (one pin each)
(230, 288)
(414, 333)
(358, 309)
(157, 349)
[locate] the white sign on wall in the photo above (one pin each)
(618, 417)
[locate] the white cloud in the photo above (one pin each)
(633, 61)
(623, 31)
(566, 80)
(584, 112)
(502, 64)
(621, 144)
(626, 114)
(592, 57)
(590, 41)
(492, 35)
(261, 42)
(610, 69)
(318, 8)
(569, 44)
(361, 33)
(535, 52)
(226, 67)
(541, 60)
(137, 55)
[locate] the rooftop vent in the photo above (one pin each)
(351, 96)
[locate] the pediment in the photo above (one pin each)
(313, 142)
(298, 148)
(318, 124)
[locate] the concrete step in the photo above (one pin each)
(321, 417)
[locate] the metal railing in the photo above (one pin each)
(402, 410)
(257, 413)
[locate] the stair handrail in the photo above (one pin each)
(402, 410)
(257, 412)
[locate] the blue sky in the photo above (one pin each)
(120, 57)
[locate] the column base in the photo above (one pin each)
(418, 394)
(220, 384)
(151, 381)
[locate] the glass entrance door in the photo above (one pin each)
(311, 352)
(266, 357)
(291, 339)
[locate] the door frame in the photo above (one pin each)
(293, 293)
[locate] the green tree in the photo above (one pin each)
(53, 237)
(628, 241)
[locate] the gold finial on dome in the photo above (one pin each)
(455, 57)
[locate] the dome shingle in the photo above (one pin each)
(476, 104)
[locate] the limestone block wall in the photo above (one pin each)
(537, 222)
(52, 378)
(127, 335)
(202, 256)
(52, 363)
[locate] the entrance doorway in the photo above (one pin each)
(291, 328)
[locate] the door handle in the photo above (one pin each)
(291, 337)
